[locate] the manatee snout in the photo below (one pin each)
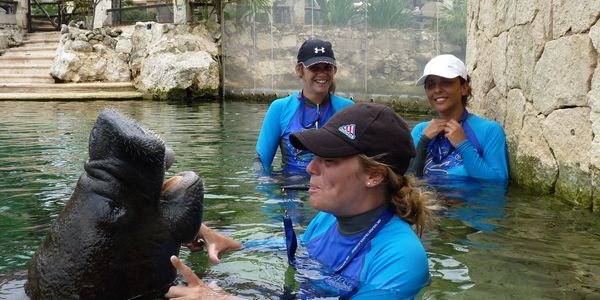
(178, 198)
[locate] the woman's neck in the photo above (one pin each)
(357, 223)
(314, 98)
(454, 114)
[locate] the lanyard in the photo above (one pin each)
(367, 237)
(306, 109)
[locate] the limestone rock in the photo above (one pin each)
(531, 161)
(569, 17)
(561, 80)
(174, 61)
(164, 73)
(569, 133)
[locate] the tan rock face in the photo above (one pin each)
(536, 69)
(158, 57)
(171, 60)
(562, 75)
(87, 56)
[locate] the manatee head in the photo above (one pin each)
(123, 221)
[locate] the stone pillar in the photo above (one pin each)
(100, 13)
(181, 12)
(298, 9)
(21, 15)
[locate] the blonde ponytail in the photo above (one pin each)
(410, 202)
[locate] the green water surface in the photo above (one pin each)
(490, 243)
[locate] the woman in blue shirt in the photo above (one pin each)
(364, 233)
(310, 108)
(457, 142)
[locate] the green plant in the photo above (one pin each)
(243, 9)
(132, 16)
(453, 23)
(388, 13)
(337, 12)
(85, 7)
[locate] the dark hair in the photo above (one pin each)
(410, 202)
(465, 98)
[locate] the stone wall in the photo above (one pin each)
(91, 55)
(534, 66)
(258, 56)
(10, 35)
(164, 61)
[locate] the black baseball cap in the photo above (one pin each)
(366, 128)
(315, 51)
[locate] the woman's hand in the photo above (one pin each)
(434, 128)
(454, 132)
(196, 288)
(217, 243)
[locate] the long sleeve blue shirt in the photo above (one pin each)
(492, 163)
(280, 121)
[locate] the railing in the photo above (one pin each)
(8, 7)
(161, 13)
(44, 15)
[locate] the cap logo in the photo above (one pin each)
(348, 130)
(322, 50)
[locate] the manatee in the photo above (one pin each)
(116, 233)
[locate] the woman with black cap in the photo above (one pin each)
(369, 211)
(310, 108)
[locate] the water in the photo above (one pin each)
(488, 244)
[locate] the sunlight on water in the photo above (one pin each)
(492, 242)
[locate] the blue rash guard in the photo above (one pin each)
(488, 160)
(288, 115)
(392, 265)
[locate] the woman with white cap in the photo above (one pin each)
(364, 234)
(456, 142)
(309, 108)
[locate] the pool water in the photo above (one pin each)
(492, 241)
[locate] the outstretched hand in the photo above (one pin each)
(195, 289)
(215, 243)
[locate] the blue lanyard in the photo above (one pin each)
(375, 227)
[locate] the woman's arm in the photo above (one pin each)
(195, 289)
(269, 136)
(494, 162)
(418, 162)
(215, 243)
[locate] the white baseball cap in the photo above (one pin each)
(445, 65)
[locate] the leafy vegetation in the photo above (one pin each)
(389, 13)
(135, 15)
(337, 12)
(453, 23)
(243, 8)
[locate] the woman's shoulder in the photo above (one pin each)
(293, 97)
(340, 102)
(473, 118)
(285, 105)
(420, 126)
(479, 122)
(398, 235)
